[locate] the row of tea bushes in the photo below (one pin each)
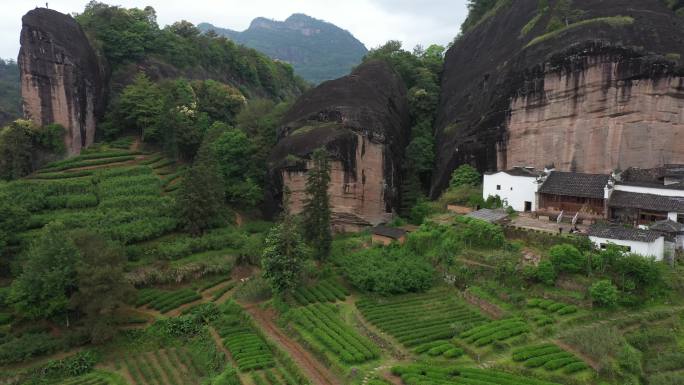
(422, 374)
(550, 306)
(323, 291)
(495, 331)
(249, 350)
(550, 357)
(165, 301)
(324, 323)
(440, 316)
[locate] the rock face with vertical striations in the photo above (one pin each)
(586, 85)
(362, 120)
(62, 79)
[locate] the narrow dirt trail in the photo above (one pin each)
(318, 373)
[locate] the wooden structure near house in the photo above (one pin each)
(574, 192)
(383, 235)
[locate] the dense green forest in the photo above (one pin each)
(10, 91)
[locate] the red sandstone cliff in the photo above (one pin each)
(62, 79)
(362, 120)
(602, 92)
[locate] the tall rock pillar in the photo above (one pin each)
(62, 79)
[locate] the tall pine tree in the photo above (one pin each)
(316, 215)
(201, 196)
(284, 254)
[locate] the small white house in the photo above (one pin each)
(516, 187)
(642, 242)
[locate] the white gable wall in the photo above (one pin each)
(653, 249)
(513, 190)
(650, 190)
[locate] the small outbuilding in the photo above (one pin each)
(516, 187)
(383, 235)
(642, 242)
(673, 232)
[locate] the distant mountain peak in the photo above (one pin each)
(318, 50)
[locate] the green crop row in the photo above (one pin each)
(495, 331)
(213, 282)
(550, 357)
(61, 175)
(420, 374)
(249, 350)
(165, 301)
(87, 163)
(552, 306)
(323, 322)
(440, 348)
(419, 319)
(323, 291)
(91, 156)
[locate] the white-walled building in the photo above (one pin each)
(645, 196)
(642, 242)
(516, 187)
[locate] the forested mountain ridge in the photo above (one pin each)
(317, 50)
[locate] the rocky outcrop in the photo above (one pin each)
(62, 79)
(362, 120)
(602, 92)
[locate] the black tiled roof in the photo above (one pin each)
(653, 177)
(575, 184)
(623, 233)
(668, 226)
(632, 200)
(523, 171)
(389, 232)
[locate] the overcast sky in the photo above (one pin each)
(371, 21)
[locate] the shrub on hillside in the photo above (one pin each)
(388, 270)
(566, 258)
(477, 233)
(604, 293)
(546, 273)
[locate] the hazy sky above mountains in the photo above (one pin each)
(371, 21)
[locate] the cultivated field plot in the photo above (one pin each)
(428, 375)
(323, 323)
(249, 349)
(494, 331)
(439, 315)
(123, 202)
(274, 376)
(440, 348)
(94, 378)
(165, 301)
(550, 357)
(323, 291)
(163, 367)
(552, 307)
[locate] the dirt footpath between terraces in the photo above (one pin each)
(313, 369)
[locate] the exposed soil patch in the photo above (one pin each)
(487, 307)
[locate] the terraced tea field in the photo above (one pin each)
(418, 319)
(162, 367)
(322, 323)
(428, 375)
